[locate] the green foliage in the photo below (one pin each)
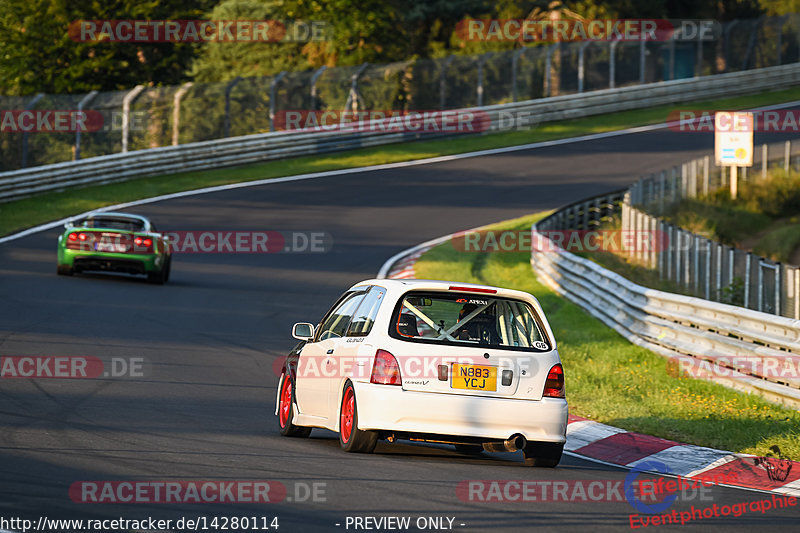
(223, 61)
(38, 55)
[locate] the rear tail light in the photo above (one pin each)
(385, 370)
(79, 241)
(554, 385)
(143, 244)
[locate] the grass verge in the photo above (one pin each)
(28, 212)
(615, 382)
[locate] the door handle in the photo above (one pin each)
(330, 351)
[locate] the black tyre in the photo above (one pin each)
(158, 277)
(352, 439)
(286, 411)
(543, 454)
(64, 270)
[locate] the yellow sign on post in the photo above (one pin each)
(733, 142)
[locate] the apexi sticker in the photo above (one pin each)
(479, 302)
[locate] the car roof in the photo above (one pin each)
(112, 214)
(404, 285)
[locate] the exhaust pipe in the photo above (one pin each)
(514, 443)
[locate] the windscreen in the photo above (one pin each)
(465, 319)
(125, 224)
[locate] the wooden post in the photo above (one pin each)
(734, 183)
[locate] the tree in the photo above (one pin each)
(37, 53)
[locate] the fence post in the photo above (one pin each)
(176, 112)
(28, 106)
(228, 90)
(781, 20)
(641, 61)
(678, 264)
(787, 150)
(272, 90)
(612, 63)
(708, 269)
(797, 293)
(671, 47)
(548, 62)
(85, 100)
(443, 81)
(727, 47)
(734, 183)
(693, 179)
(581, 65)
(668, 265)
(764, 159)
(479, 88)
(747, 261)
(751, 43)
(514, 67)
(720, 251)
(314, 78)
(777, 289)
(126, 114)
(662, 179)
(706, 165)
(353, 97)
(696, 266)
(731, 260)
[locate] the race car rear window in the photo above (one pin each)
(468, 319)
(125, 224)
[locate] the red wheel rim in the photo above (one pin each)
(286, 401)
(348, 408)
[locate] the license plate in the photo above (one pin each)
(112, 242)
(474, 377)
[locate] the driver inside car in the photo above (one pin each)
(479, 328)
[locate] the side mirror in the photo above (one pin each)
(303, 331)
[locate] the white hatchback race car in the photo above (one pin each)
(432, 361)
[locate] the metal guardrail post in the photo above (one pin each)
(228, 89)
(28, 106)
(85, 100)
(176, 111)
(313, 82)
(126, 114)
(272, 90)
(581, 73)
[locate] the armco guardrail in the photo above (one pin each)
(678, 327)
(277, 145)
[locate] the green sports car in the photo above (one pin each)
(114, 242)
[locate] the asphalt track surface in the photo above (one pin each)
(204, 409)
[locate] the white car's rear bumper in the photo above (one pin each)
(388, 407)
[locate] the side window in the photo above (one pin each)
(366, 313)
(335, 324)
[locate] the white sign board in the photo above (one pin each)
(733, 138)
